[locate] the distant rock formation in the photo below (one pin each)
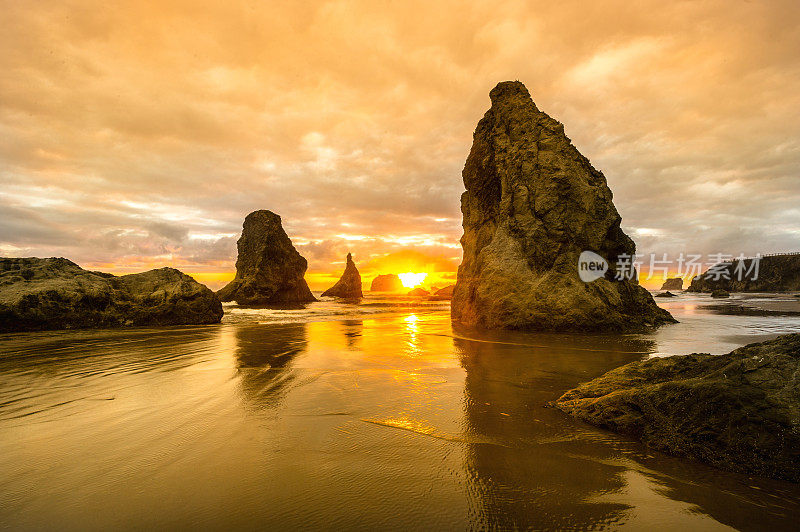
(738, 411)
(775, 273)
(720, 293)
(443, 294)
(269, 270)
(55, 293)
(389, 282)
(666, 294)
(418, 292)
(349, 285)
(532, 205)
(673, 283)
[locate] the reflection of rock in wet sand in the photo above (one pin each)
(554, 473)
(352, 330)
(530, 482)
(264, 357)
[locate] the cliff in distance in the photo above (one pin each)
(774, 273)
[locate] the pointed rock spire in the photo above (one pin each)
(349, 284)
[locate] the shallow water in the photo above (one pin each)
(353, 417)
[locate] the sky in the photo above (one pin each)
(140, 134)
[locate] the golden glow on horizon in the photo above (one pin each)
(410, 280)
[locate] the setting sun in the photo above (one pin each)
(410, 280)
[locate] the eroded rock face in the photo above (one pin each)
(349, 284)
(739, 411)
(389, 282)
(532, 204)
(269, 270)
(55, 293)
(673, 283)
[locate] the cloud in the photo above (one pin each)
(142, 134)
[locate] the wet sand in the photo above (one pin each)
(357, 417)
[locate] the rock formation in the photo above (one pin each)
(775, 273)
(673, 283)
(720, 293)
(739, 411)
(386, 283)
(418, 292)
(55, 293)
(269, 270)
(443, 294)
(349, 285)
(532, 205)
(666, 294)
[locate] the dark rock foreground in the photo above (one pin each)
(532, 205)
(55, 293)
(349, 284)
(739, 412)
(269, 270)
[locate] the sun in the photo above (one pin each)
(410, 280)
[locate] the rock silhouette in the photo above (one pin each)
(55, 293)
(443, 294)
(389, 282)
(349, 285)
(775, 273)
(532, 204)
(418, 292)
(269, 270)
(738, 411)
(673, 283)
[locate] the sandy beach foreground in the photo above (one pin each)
(378, 415)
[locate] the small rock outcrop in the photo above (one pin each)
(739, 412)
(349, 284)
(774, 273)
(443, 294)
(666, 294)
(55, 293)
(389, 282)
(418, 292)
(673, 283)
(720, 293)
(269, 270)
(532, 205)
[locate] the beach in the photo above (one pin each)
(354, 417)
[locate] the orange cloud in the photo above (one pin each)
(141, 135)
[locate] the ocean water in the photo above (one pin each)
(342, 416)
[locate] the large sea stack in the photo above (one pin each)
(532, 205)
(269, 270)
(739, 411)
(349, 284)
(55, 293)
